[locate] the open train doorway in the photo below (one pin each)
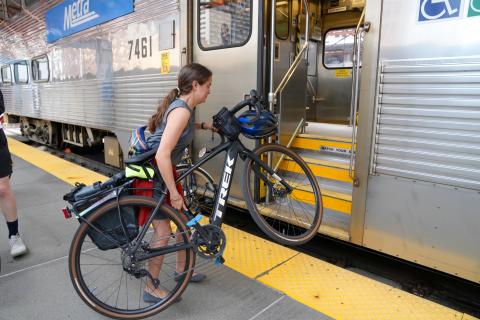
(323, 91)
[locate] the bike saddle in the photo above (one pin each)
(141, 157)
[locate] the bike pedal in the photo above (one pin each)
(194, 221)
(219, 260)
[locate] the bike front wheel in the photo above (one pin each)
(111, 277)
(290, 217)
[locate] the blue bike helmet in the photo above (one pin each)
(265, 126)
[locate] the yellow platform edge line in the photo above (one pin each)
(62, 169)
(268, 262)
(343, 294)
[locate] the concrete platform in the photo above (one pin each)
(37, 285)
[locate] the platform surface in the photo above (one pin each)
(260, 279)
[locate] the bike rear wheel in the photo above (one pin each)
(291, 218)
(111, 281)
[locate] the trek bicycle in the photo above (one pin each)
(110, 253)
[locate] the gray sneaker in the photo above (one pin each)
(17, 247)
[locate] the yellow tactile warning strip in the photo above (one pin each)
(60, 168)
(336, 292)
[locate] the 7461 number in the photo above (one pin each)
(141, 47)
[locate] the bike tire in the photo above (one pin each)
(288, 231)
(90, 293)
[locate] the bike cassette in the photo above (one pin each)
(209, 242)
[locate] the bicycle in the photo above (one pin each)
(110, 265)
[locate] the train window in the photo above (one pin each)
(6, 74)
(40, 69)
(224, 23)
(20, 71)
(282, 19)
(338, 49)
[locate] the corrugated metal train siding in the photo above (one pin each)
(119, 103)
(123, 104)
(24, 36)
(428, 121)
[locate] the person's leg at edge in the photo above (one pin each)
(8, 206)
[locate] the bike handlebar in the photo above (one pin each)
(254, 101)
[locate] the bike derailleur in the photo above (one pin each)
(209, 242)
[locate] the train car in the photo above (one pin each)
(380, 97)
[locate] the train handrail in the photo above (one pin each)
(272, 95)
(355, 87)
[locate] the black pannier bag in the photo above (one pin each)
(226, 123)
(110, 234)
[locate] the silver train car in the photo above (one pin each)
(380, 97)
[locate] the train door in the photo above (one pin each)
(225, 38)
(329, 88)
(419, 133)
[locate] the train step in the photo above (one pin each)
(327, 168)
(323, 144)
(336, 196)
(324, 138)
(326, 148)
(333, 224)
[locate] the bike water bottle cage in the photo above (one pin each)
(256, 126)
(227, 124)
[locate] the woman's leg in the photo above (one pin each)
(162, 232)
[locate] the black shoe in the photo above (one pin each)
(198, 277)
(150, 298)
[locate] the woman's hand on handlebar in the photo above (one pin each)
(206, 126)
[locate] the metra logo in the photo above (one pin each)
(77, 14)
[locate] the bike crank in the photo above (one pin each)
(211, 244)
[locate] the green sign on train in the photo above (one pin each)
(474, 8)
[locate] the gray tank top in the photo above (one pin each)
(185, 139)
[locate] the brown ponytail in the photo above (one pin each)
(162, 107)
(188, 74)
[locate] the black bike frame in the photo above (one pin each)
(233, 150)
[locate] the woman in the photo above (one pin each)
(173, 128)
